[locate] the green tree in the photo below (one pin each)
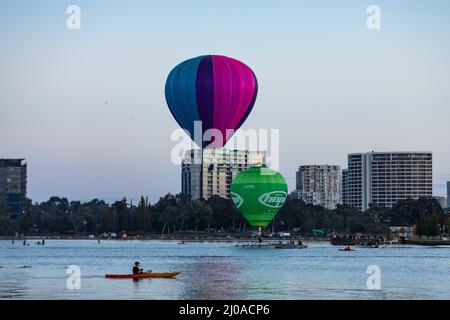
(4, 212)
(447, 224)
(200, 211)
(143, 215)
(8, 227)
(122, 212)
(167, 216)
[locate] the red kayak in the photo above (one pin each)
(346, 250)
(167, 275)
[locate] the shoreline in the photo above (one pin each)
(422, 243)
(212, 239)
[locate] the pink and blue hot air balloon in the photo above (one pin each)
(216, 90)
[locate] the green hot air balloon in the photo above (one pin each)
(259, 193)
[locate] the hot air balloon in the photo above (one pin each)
(259, 193)
(216, 90)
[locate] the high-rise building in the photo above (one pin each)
(319, 185)
(13, 184)
(448, 194)
(344, 186)
(383, 178)
(211, 172)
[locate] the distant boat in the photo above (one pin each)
(254, 245)
(290, 246)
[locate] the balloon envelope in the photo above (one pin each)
(259, 193)
(217, 90)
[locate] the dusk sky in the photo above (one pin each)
(86, 108)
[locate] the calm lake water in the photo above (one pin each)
(221, 271)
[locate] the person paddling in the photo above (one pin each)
(137, 269)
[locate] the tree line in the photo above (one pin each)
(178, 213)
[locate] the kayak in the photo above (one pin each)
(143, 275)
(346, 250)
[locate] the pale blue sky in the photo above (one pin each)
(328, 83)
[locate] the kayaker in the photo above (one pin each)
(137, 269)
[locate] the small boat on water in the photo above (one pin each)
(279, 245)
(254, 245)
(290, 246)
(348, 249)
(166, 275)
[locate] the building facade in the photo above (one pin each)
(383, 178)
(344, 186)
(211, 172)
(319, 185)
(448, 194)
(13, 184)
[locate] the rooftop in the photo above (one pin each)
(11, 163)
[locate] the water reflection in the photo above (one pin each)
(213, 278)
(221, 271)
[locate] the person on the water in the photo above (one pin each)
(136, 269)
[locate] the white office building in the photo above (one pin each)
(211, 172)
(383, 178)
(319, 185)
